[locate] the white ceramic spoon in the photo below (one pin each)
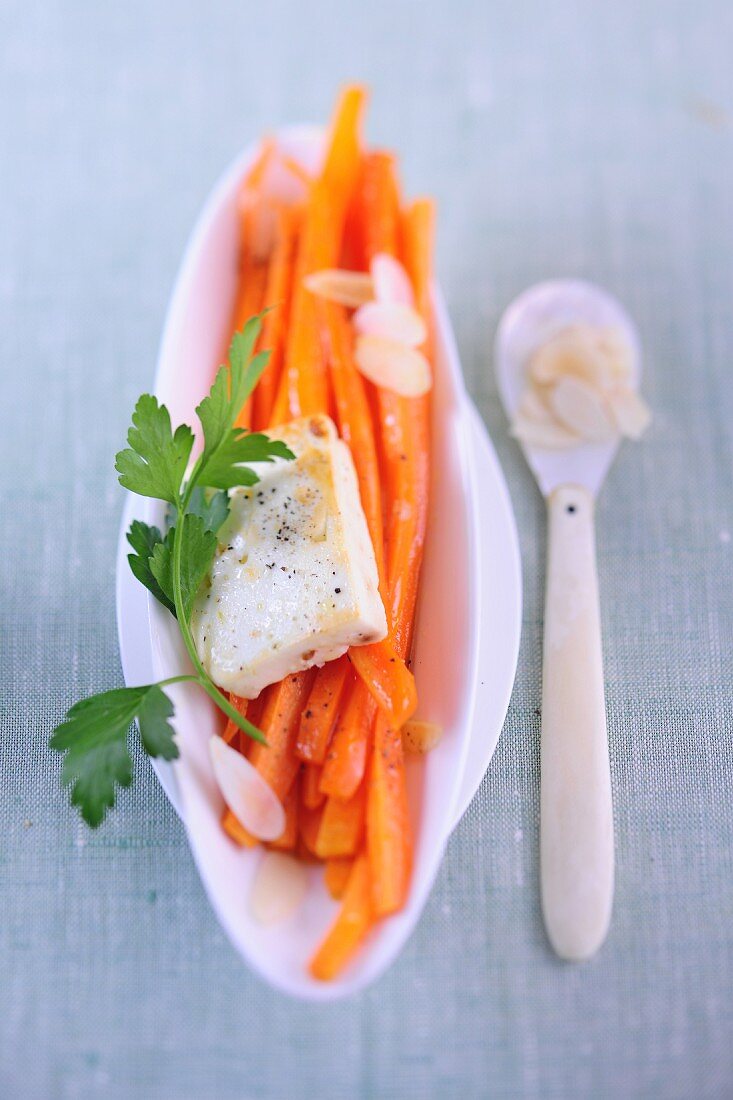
(576, 815)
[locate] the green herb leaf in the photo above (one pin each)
(94, 737)
(155, 462)
(197, 553)
(156, 732)
(213, 508)
(225, 469)
(143, 539)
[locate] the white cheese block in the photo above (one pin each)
(294, 581)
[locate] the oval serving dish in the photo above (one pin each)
(467, 633)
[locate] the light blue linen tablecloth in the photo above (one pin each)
(572, 138)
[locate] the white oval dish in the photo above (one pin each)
(467, 634)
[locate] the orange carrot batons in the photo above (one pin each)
(278, 289)
(291, 804)
(321, 710)
(304, 379)
(349, 928)
(337, 874)
(389, 844)
(276, 761)
(341, 826)
(345, 763)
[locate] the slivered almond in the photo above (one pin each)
(549, 434)
(580, 408)
(532, 406)
(630, 412)
(598, 356)
(348, 288)
(392, 321)
(278, 889)
(419, 736)
(393, 366)
(391, 281)
(248, 796)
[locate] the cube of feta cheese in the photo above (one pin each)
(294, 581)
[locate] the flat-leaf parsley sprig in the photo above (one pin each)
(171, 565)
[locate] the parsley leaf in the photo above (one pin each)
(155, 462)
(213, 508)
(94, 737)
(143, 539)
(224, 468)
(197, 553)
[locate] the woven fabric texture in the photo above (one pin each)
(572, 138)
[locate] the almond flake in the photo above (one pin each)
(248, 796)
(630, 412)
(420, 737)
(391, 281)
(348, 288)
(392, 321)
(548, 435)
(278, 889)
(580, 408)
(393, 366)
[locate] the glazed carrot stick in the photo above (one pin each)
(354, 419)
(337, 874)
(417, 236)
(388, 831)
(313, 796)
(343, 768)
(341, 826)
(309, 823)
(277, 297)
(304, 377)
(276, 761)
(404, 441)
(250, 300)
(234, 829)
(389, 845)
(384, 672)
(378, 204)
(319, 716)
(349, 928)
(291, 804)
(231, 732)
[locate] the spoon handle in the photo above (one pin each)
(576, 827)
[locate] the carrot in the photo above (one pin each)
(277, 297)
(231, 731)
(309, 824)
(276, 761)
(250, 300)
(313, 796)
(349, 928)
(318, 718)
(389, 844)
(379, 206)
(291, 804)
(233, 827)
(341, 826)
(354, 419)
(337, 874)
(343, 768)
(304, 385)
(404, 438)
(417, 236)
(386, 676)
(251, 199)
